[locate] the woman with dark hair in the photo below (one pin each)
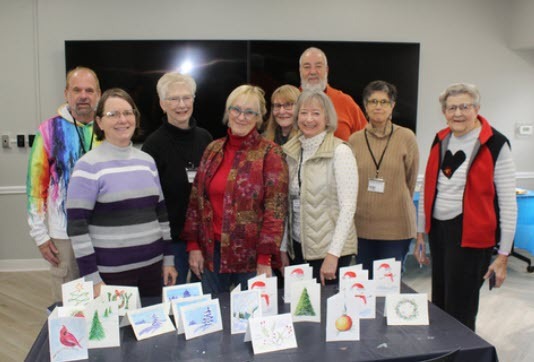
(116, 213)
(388, 163)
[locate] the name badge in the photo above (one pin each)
(376, 185)
(295, 204)
(191, 172)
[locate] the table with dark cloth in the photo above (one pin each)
(378, 342)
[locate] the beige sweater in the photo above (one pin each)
(390, 215)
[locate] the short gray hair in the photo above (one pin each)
(169, 79)
(315, 50)
(324, 101)
(460, 88)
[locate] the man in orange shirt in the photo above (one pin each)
(313, 67)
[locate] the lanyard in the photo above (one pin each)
(377, 164)
(82, 143)
(298, 171)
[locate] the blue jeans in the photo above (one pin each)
(181, 262)
(214, 282)
(371, 250)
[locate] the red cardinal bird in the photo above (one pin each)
(67, 339)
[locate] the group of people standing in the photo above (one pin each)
(317, 183)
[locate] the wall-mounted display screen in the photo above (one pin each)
(218, 66)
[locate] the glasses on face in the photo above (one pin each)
(247, 113)
(376, 102)
(287, 106)
(116, 114)
(185, 99)
(464, 107)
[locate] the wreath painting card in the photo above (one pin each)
(407, 309)
(295, 273)
(177, 304)
(268, 288)
(77, 292)
(150, 321)
(201, 318)
(272, 333)
(306, 301)
(342, 321)
(387, 277)
(127, 297)
(243, 305)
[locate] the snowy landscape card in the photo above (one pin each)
(272, 333)
(127, 297)
(342, 320)
(268, 288)
(77, 292)
(350, 274)
(294, 273)
(150, 321)
(387, 277)
(363, 292)
(177, 304)
(102, 323)
(179, 292)
(67, 338)
(306, 301)
(201, 318)
(243, 305)
(407, 309)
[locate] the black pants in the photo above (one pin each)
(457, 272)
(316, 264)
(147, 279)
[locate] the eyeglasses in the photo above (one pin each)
(287, 106)
(185, 99)
(464, 107)
(248, 113)
(116, 114)
(376, 102)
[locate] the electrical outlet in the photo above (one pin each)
(5, 141)
(20, 141)
(31, 138)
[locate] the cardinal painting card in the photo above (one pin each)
(294, 273)
(387, 277)
(67, 337)
(201, 318)
(306, 301)
(150, 321)
(342, 320)
(77, 292)
(407, 309)
(271, 333)
(268, 288)
(243, 305)
(177, 304)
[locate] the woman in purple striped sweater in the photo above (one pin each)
(117, 219)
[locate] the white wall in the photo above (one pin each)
(461, 40)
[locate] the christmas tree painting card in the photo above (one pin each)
(201, 318)
(342, 320)
(295, 273)
(271, 333)
(387, 276)
(306, 301)
(268, 288)
(102, 322)
(127, 297)
(77, 292)
(179, 292)
(177, 304)
(67, 338)
(243, 305)
(407, 309)
(150, 321)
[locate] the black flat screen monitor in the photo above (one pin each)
(218, 66)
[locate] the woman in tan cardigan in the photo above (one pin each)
(388, 161)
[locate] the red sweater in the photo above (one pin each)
(350, 117)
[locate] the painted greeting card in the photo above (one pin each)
(67, 338)
(407, 309)
(243, 305)
(179, 292)
(72, 311)
(272, 333)
(177, 304)
(268, 288)
(150, 321)
(363, 292)
(102, 323)
(342, 321)
(306, 301)
(77, 292)
(201, 318)
(350, 274)
(387, 277)
(295, 273)
(127, 297)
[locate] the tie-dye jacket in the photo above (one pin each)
(55, 150)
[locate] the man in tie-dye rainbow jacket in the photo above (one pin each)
(60, 141)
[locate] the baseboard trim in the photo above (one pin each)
(18, 265)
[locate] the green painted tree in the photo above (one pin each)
(97, 331)
(304, 306)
